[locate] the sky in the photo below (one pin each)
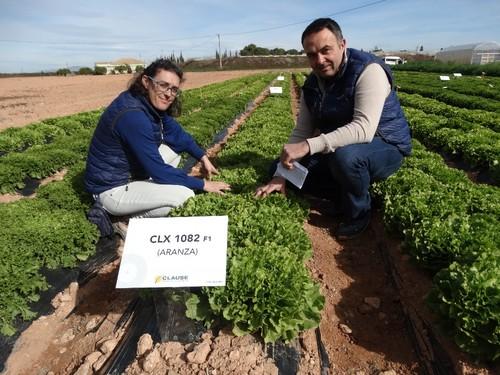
(42, 35)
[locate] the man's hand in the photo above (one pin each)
(276, 184)
(292, 152)
(208, 168)
(218, 187)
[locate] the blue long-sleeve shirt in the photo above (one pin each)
(143, 145)
(125, 146)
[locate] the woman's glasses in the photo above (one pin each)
(164, 87)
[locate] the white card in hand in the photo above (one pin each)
(296, 176)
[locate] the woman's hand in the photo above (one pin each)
(208, 168)
(218, 187)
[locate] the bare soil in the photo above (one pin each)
(369, 284)
(24, 100)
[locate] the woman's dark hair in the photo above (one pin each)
(320, 24)
(136, 87)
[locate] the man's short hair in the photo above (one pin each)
(320, 24)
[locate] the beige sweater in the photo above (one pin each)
(372, 88)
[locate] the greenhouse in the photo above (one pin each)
(475, 53)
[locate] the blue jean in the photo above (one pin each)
(345, 176)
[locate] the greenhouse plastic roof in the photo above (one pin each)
(484, 46)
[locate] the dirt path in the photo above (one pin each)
(24, 100)
(361, 324)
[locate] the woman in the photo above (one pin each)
(133, 156)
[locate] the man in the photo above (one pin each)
(351, 129)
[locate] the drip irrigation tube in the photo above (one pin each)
(431, 355)
(142, 320)
(58, 280)
(323, 355)
(286, 356)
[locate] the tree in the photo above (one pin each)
(216, 55)
(139, 68)
(249, 50)
(129, 68)
(277, 51)
(100, 70)
(421, 48)
(260, 51)
(292, 51)
(121, 69)
(85, 71)
(224, 55)
(63, 72)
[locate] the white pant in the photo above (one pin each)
(147, 198)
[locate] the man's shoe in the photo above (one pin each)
(326, 207)
(332, 211)
(353, 228)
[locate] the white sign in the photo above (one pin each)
(280, 78)
(457, 74)
(296, 176)
(276, 90)
(174, 252)
(444, 78)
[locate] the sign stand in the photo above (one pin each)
(172, 323)
(170, 256)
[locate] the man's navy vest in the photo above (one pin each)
(109, 164)
(335, 108)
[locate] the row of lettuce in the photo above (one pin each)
(491, 69)
(268, 289)
(483, 87)
(51, 230)
(470, 135)
(39, 150)
(449, 224)
(429, 85)
(464, 140)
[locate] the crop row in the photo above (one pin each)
(450, 225)
(300, 78)
(486, 87)
(42, 160)
(52, 231)
(268, 288)
(194, 100)
(47, 131)
(479, 117)
(491, 70)
(476, 144)
(215, 114)
(450, 97)
(49, 231)
(20, 139)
